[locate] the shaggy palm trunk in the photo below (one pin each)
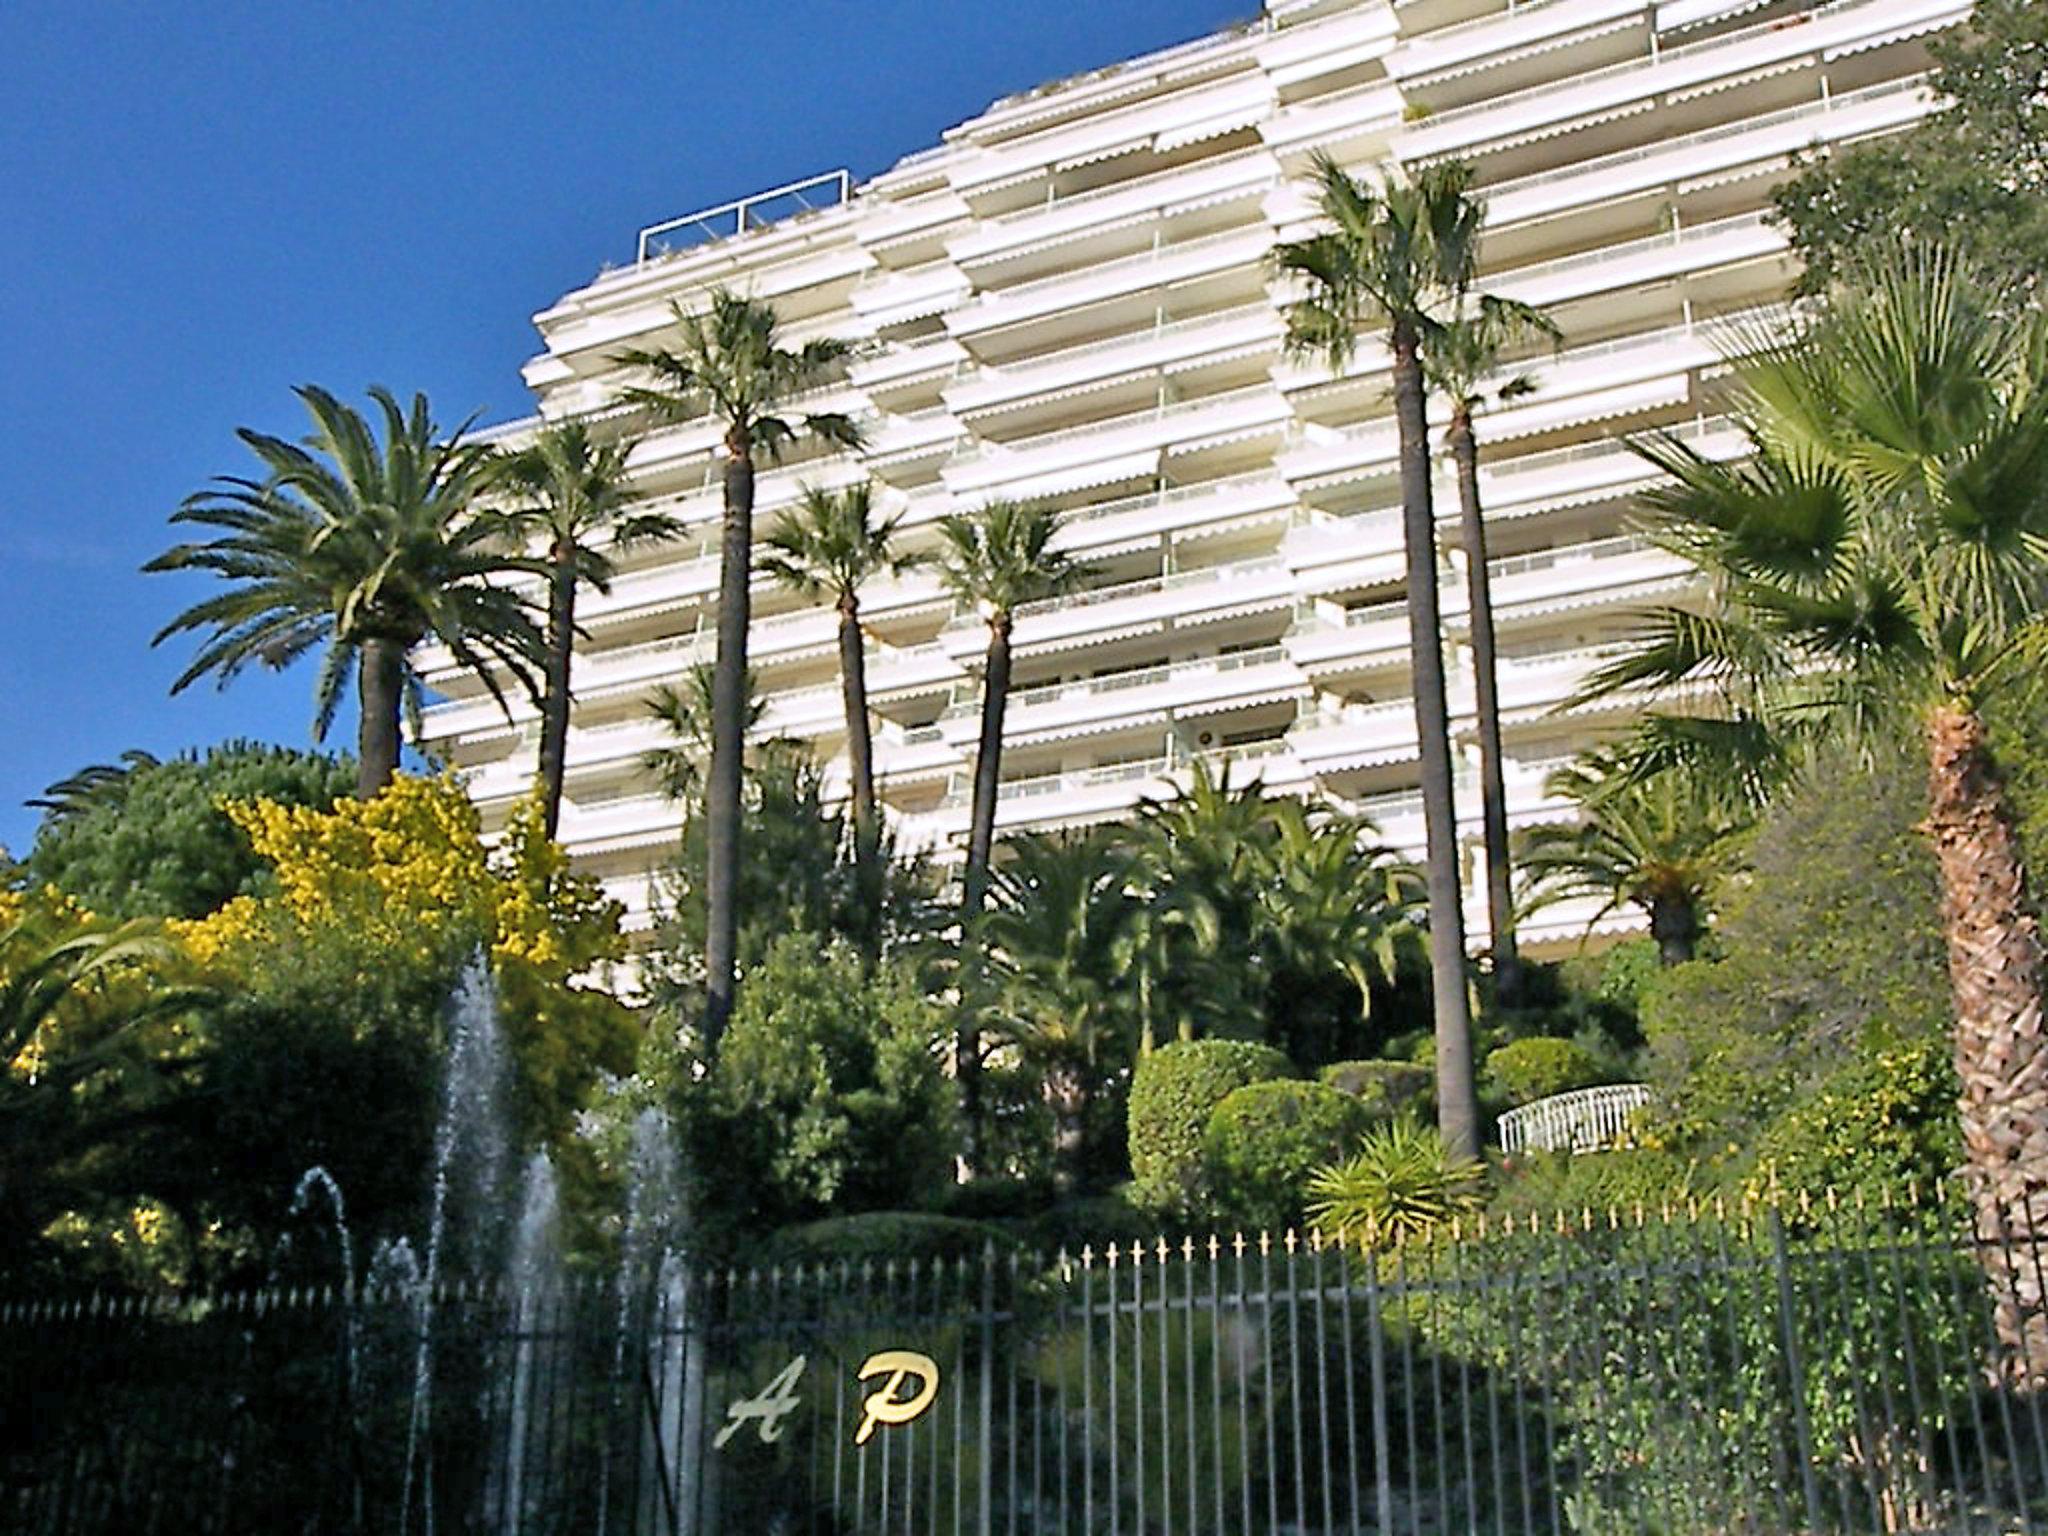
(554, 705)
(981, 832)
(728, 740)
(1065, 1089)
(1996, 973)
(1675, 925)
(860, 759)
(380, 691)
(1493, 796)
(1457, 1101)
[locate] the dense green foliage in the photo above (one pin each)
(827, 1097)
(1176, 1089)
(1970, 175)
(1526, 1070)
(1265, 1139)
(1383, 1088)
(153, 841)
(1830, 952)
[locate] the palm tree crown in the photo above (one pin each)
(996, 560)
(830, 545)
(365, 548)
(1662, 842)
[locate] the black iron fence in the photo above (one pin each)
(1818, 1367)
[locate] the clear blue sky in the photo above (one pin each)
(207, 204)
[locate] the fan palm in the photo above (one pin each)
(1660, 841)
(1884, 552)
(1059, 908)
(992, 561)
(732, 364)
(575, 502)
(829, 546)
(366, 548)
(1404, 254)
(1462, 360)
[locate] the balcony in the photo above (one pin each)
(1123, 700)
(1151, 350)
(1673, 71)
(1159, 194)
(1353, 736)
(1165, 265)
(1334, 642)
(1177, 509)
(1624, 571)
(1770, 136)
(1033, 465)
(1180, 600)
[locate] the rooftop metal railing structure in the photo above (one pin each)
(745, 213)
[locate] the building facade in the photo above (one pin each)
(1070, 298)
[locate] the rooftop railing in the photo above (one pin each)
(832, 189)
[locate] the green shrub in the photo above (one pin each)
(1093, 1221)
(898, 1235)
(1383, 1088)
(1398, 1185)
(1265, 1139)
(1534, 1069)
(1176, 1089)
(1882, 1123)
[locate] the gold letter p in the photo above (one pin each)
(885, 1406)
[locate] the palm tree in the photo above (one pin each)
(828, 547)
(368, 549)
(685, 709)
(1060, 906)
(732, 365)
(1460, 361)
(1882, 554)
(992, 561)
(1404, 254)
(1662, 841)
(581, 509)
(1331, 901)
(90, 1072)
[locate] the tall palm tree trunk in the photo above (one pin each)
(1675, 925)
(380, 688)
(1493, 796)
(728, 740)
(554, 706)
(1457, 1101)
(981, 832)
(1996, 972)
(860, 758)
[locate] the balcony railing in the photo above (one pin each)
(1581, 79)
(1820, 107)
(1122, 264)
(1068, 355)
(1137, 677)
(1171, 496)
(1610, 253)
(1569, 554)
(1605, 448)
(1178, 579)
(1136, 183)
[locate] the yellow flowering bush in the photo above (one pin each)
(406, 880)
(407, 871)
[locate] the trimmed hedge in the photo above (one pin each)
(1383, 1088)
(1264, 1141)
(1534, 1069)
(1172, 1096)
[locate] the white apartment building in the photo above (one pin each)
(1069, 298)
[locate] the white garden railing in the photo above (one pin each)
(1585, 1121)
